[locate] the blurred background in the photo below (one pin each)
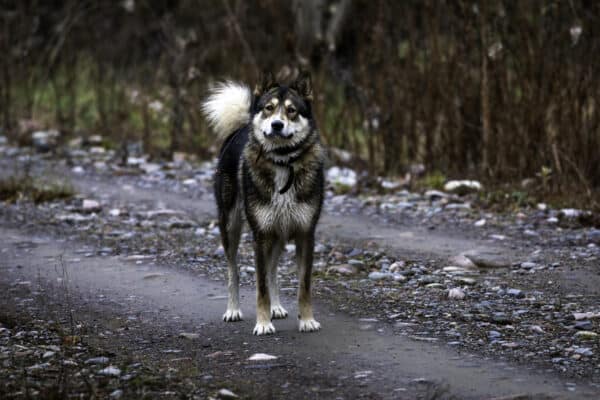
(501, 91)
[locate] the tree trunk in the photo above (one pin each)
(485, 95)
(177, 120)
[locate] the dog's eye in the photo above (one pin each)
(291, 110)
(269, 107)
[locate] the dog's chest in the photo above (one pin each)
(284, 213)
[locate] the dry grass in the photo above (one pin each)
(18, 188)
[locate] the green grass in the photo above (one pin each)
(78, 92)
(433, 180)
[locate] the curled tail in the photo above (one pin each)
(227, 108)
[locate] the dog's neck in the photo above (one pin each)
(285, 156)
(282, 161)
(282, 155)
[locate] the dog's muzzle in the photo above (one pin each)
(277, 129)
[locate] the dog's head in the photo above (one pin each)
(282, 114)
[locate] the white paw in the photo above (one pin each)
(278, 312)
(309, 325)
(232, 315)
(263, 329)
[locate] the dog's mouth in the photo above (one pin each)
(278, 135)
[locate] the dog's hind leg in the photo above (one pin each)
(277, 311)
(305, 243)
(231, 230)
(263, 248)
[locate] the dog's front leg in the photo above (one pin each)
(305, 244)
(263, 247)
(277, 310)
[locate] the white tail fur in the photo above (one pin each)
(227, 107)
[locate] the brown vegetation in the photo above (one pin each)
(15, 188)
(500, 90)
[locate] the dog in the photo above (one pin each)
(270, 174)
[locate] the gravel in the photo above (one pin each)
(528, 307)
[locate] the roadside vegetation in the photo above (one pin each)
(17, 188)
(501, 91)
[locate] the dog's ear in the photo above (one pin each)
(303, 85)
(266, 82)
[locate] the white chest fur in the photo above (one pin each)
(284, 214)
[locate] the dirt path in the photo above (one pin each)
(342, 360)
(162, 298)
(149, 303)
(352, 230)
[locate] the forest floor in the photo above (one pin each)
(118, 291)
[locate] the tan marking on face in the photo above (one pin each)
(290, 111)
(270, 107)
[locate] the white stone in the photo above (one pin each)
(587, 335)
(48, 354)
(227, 394)
(320, 248)
(262, 357)
(458, 206)
(74, 218)
(462, 186)
(435, 194)
(343, 269)
(150, 167)
(586, 315)
(110, 371)
(456, 294)
(362, 374)
(536, 329)
(95, 140)
(498, 237)
(570, 213)
(156, 105)
(452, 269)
(135, 160)
(462, 261)
(162, 212)
(100, 165)
(390, 185)
(397, 266)
(378, 276)
(44, 140)
(342, 176)
(90, 205)
(188, 335)
(97, 150)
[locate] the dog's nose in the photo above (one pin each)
(277, 125)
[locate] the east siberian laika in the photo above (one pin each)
(270, 171)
